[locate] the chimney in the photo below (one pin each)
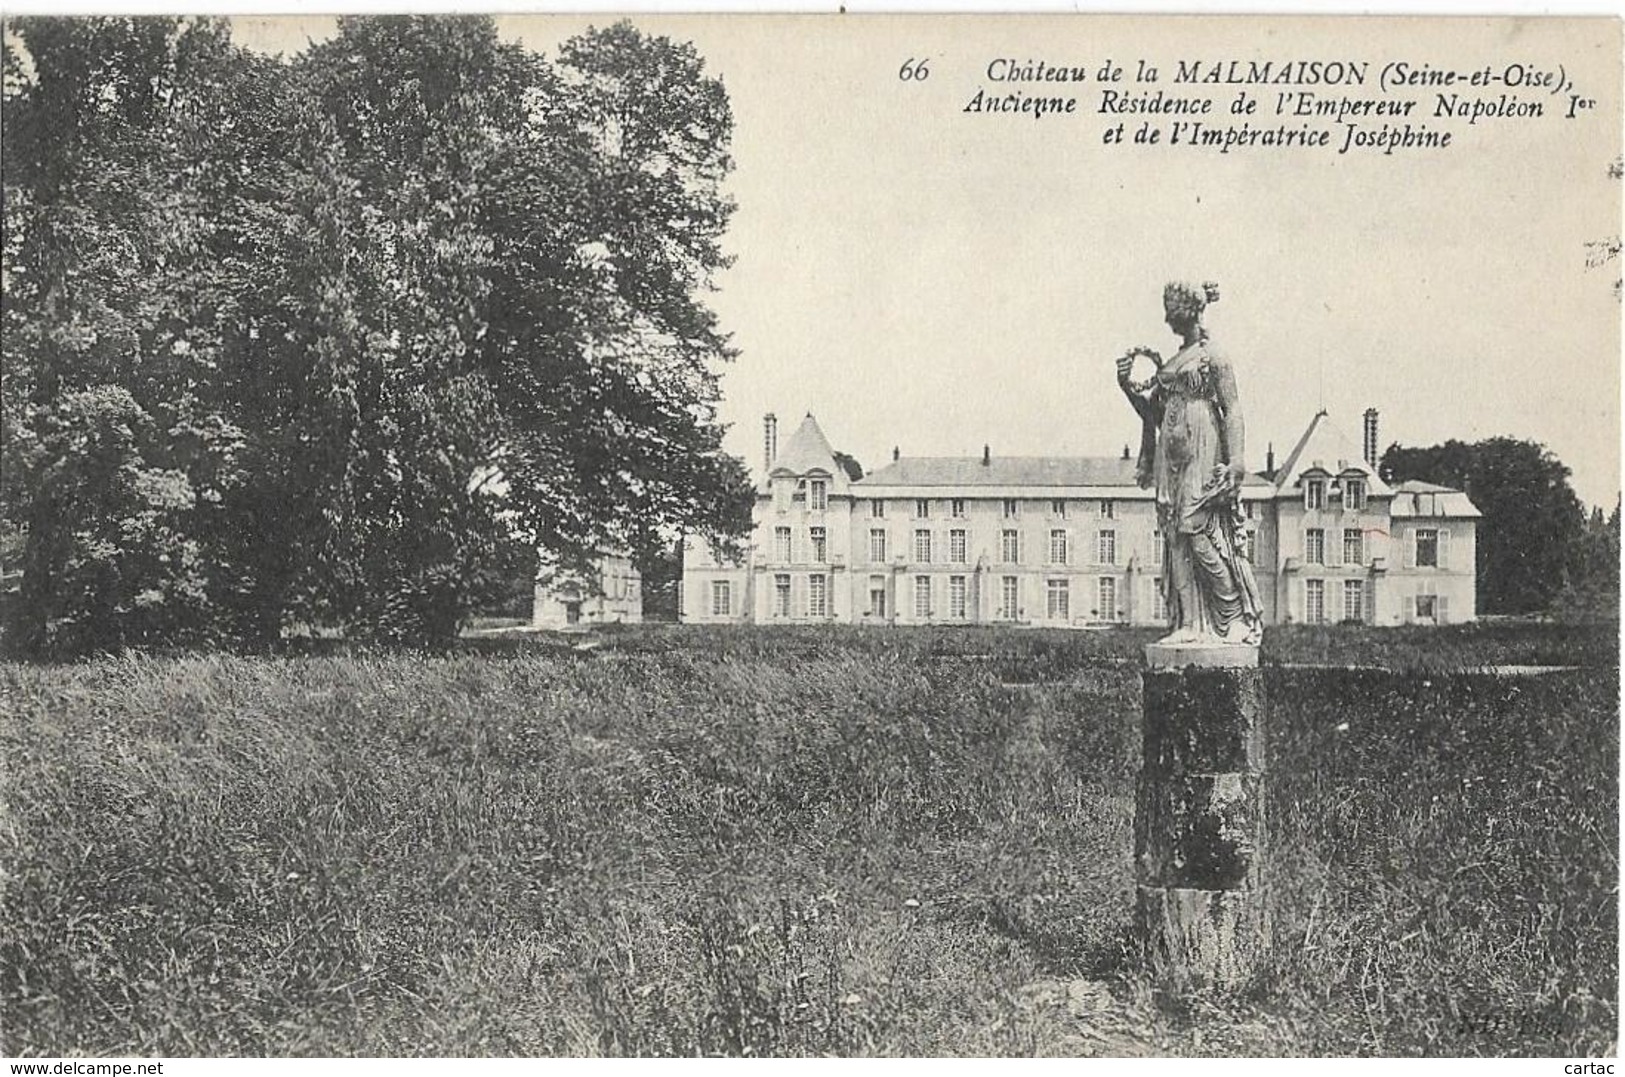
(896, 454)
(987, 455)
(1371, 437)
(770, 440)
(1269, 460)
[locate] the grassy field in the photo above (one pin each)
(793, 842)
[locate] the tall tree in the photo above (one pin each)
(537, 240)
(377, 318)
(112, 327)
(599, 317)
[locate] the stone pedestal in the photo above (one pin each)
(1199, 834)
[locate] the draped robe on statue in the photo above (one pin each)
(1208, 584)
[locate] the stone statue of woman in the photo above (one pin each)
(1192, 450)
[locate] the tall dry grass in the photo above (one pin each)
(743, 849)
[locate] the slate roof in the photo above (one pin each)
(1414, 499)
(1003, 471)
(1009, 471)
(806, 450)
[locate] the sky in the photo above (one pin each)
(927, 279)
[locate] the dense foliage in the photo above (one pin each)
(777, 844)
(1537, 548)
(334, 341)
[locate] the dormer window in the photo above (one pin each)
(781, 495)
(1354, 495)
(1314, 493)
(818, 495)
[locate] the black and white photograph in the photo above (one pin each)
(769, 535)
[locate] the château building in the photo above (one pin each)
(610, 591)
(1073, 541)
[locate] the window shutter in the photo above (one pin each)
(1444, 547)
(1072, 557)
(1407, 539)
(1442, 605)
(1021, 547)
(1334, 546)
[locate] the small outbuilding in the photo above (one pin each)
(611, 592)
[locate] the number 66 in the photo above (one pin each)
(914, 70)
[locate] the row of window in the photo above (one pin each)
(815, 492)
(1427, 607)
(1010, 507)
(817, 596)
(1010, 546)
(1429, 547)
(817, 498)
(1057, 598)
(817, 539)
(1314, 546)
(1352, 490)
(1315, 495)
(1314, 601)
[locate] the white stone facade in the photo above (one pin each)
(1072, 541)
(612, 593)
